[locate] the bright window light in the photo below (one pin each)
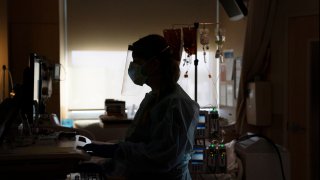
(108, 59)
(93, 76)
(206, 86)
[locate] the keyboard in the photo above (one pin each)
(84, 176)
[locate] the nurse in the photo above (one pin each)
(159, 142)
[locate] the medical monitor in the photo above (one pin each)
(197, 163)
(202, 126)
(197, 157)
(202, 117)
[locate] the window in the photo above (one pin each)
(97, 37)
(94, 76)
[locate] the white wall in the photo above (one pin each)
(117, 23)
(3, 45)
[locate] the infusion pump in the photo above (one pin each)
(208, 157)
(211, 159)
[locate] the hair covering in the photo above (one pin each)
(155, 45)
(149, 46)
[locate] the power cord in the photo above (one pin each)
(12, 93)
(269, 141)
(4, 81)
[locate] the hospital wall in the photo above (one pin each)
(33, 26)
(3, 44)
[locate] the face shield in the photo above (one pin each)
(129, 88)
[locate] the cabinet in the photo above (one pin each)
(33, 26)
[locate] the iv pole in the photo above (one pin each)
(196, 25)
(196, 61)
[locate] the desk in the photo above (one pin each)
(117, 123)
(51, 160)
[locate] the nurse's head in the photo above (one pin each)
(153, 57)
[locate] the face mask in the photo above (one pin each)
(136, 75)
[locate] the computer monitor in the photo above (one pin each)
(31, 91)
(26, 99)
(35, 66)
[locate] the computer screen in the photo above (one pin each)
(32, 87)
(36, 80)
